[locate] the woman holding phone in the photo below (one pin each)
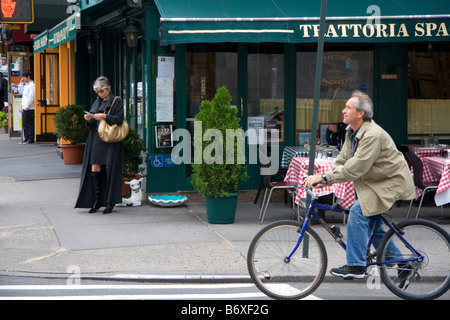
(101, 176)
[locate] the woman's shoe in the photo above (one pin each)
(109, 208)
(95, 207)
(96, 189)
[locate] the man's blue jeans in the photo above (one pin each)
(359, 229)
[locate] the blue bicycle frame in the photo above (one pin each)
(338, 237)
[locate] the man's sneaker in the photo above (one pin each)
(349, 272)
(405, 273)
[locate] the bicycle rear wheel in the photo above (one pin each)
(424, 279)
(273, 274)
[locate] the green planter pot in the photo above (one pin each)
(221, 210)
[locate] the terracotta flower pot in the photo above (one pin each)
(73, 153)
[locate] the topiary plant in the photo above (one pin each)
(222, 168)
(133, 146)
(70, 123)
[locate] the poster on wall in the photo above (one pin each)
(164, 100)
(255, 127)
(166, 67)
(163, 134)
(17, 112)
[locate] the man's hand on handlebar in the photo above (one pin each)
(313, 181)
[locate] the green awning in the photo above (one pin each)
(64, 32)
(296, 21)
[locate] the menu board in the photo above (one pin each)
(164, 100)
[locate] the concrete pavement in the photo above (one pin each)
(41, 234)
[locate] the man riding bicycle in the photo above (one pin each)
(380, 175)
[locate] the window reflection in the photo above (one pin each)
(344, 70)
(428, 89)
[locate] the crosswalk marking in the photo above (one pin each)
(246, 291)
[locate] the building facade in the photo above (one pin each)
(164, 57)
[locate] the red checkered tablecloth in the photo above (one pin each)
(425, 152)
(298, 169)
(439, 169)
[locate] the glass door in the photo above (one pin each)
(18, 63)
(209, 67)
(265, 103)
(48, 100)
(265, 89)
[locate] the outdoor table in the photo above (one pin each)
(298, 169)
(424, 152)
(290, 152)
(438, 170)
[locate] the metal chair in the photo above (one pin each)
(417, 166)
(281, 173)
(270, 186)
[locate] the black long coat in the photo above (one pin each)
(109, 155)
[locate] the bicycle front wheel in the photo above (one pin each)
(421, 275)
(282, 278)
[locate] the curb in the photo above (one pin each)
(198, 278)
(172, 278)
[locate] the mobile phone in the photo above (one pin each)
(87, 112)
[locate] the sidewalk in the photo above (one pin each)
(41, 234)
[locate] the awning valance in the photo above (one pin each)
(298, 21)
(40, 42)
(63, 32)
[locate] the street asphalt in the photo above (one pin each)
(41, 234)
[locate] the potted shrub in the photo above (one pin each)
(71, 126)
(218, 178)
(4, 120)
(133, 148)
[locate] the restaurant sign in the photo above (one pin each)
(295, 31)
(40, 42)
(64, 32)
(406, 30)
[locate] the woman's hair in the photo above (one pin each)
(364, 104)
(101, 83)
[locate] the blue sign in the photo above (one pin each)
(162, 161)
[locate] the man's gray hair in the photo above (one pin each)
(364, 104)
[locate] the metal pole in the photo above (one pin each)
(318, 77)
(315, 119)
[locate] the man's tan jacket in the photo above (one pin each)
(378, 170)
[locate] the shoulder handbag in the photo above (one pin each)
(112, 133)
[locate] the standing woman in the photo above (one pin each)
(101, 175)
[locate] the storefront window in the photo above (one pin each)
(344, 70)
(265, 89)
(428, 89)
(209, 67)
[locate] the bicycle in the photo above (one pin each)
(288, 260)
